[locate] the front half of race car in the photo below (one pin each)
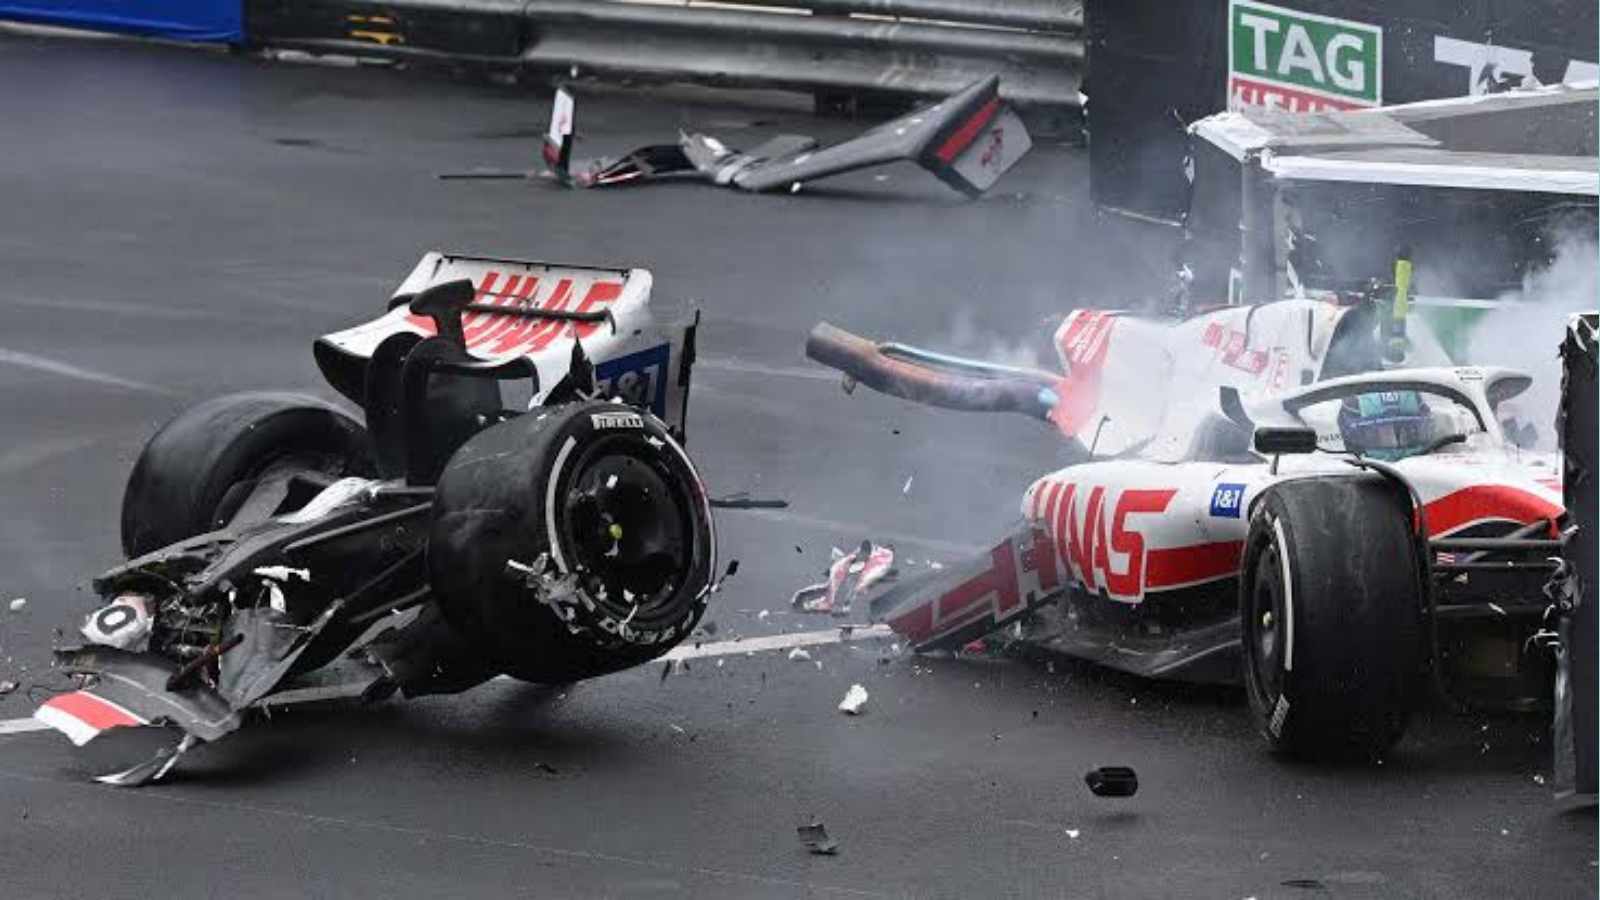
(449, 538)
(1350, 576)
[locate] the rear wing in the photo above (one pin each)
(539, 312)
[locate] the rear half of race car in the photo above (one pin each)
(568, 539)
(518, 500)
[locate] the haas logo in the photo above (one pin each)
(1094, 538)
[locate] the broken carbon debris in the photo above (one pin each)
(854, 700)
(849, 576)
(742, 500)
(1112, 781)
(814, 838)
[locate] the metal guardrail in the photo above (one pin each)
(895, 47)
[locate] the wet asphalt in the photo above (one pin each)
(177, 223)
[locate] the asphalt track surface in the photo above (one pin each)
(178, 224)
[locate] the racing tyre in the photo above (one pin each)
(572, 541)
(192, 475)
(1331, 618)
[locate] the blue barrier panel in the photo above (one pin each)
(183, 20)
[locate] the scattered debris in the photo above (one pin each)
(799, 654)
(967, 140)
(1111, 781)
(849, 575)
(854, 700)
(814, 837)
(742, 500)
(18, 603)
(153, 769)
(283, 573)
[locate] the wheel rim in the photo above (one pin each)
(630, 532)
(1265, 622)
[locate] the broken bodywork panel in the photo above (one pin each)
(558, 535)
(967, 140)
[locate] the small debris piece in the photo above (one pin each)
(18, 603)
(799, 654)
(814, 837)
(1112, 781)
(907, 488)
(849, 575)
(762, 616)
(547, 768)
(283, 573)
(7, 687)
(677, 728)
(745, 501)
(667, 669)
(1310, 884)
(1537, 779)
(1073, 833)
(854, 699)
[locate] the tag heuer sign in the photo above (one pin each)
(1301, 62)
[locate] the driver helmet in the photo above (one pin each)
(1385, 425)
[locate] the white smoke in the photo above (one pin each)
(966, 337)
(1525, 332)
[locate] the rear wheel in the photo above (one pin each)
(193, 474)
(1331, 618)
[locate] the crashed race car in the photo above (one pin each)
(1291, 495)
(446, 537)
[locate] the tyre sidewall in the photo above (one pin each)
(185, 470)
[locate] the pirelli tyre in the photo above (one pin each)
(572, 541)
(1331, 617)
(193, 474)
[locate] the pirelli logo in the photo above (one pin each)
(606, 420)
